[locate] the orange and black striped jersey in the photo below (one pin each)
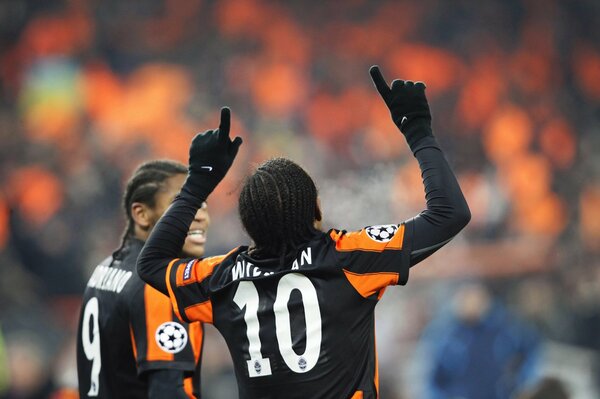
(302, 326)
(127, 328)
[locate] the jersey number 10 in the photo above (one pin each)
(246, 296)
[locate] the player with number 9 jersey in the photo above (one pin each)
(296, 308)
(130, 344)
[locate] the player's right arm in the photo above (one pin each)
(211, 155)
(447, 211)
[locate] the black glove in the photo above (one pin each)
(408, 106)
(211, 156)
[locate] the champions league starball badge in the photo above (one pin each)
(382, 233)
(171, 337)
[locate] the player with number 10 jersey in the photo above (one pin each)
(296, 308)
(304, 321)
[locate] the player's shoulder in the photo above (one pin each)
(127, 256)
(107, 262)
(219, 264)
(370, 238)
(218, 261)
(187, 271)
(112, 276)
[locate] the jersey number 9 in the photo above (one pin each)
(91, 342)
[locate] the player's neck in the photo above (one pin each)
(140, 233)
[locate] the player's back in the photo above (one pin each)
(127, 328)
(302, 327)
(105, 363)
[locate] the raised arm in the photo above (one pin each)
(447, 211)
(211, 156)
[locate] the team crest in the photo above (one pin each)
(257, 367)
(382, 233)
(302, 363)
(171, 337)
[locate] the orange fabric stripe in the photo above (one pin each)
(357, 395)
(201, 269)
(368, 284)
(133, 342)
(188, 387)
(360, 241)
(170, 289)
(158, 311)
(200, 312)
(196, 337)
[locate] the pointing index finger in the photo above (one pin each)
(379, 81)
(225, 122)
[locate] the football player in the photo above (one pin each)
(129, 342)
(296, 308)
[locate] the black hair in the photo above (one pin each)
(147, 180)
(278, 208)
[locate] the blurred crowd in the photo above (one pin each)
(89, 89)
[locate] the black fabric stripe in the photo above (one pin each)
(137, 320)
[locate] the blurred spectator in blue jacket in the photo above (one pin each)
(478, 349)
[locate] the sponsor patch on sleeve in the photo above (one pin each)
(187, 272)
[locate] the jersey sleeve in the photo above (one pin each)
(374, 257)
(158, 338)
(187, 284)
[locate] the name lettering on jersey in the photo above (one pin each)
(245, 269)
(109, 279)
(187, 272)
(305, 259)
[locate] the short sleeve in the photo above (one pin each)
(159, 339)
(187, 283)
(374, 257)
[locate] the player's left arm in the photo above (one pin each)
(378, 256)
(447, 211)
(211, 155)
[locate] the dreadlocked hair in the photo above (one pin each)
(278, 208)
(147, 180)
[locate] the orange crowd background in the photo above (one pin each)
(89, 89)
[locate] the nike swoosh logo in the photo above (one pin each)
(209, 168)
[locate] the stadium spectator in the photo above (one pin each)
(478, 349)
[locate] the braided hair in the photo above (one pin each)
(278, 208)
(147, 180)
